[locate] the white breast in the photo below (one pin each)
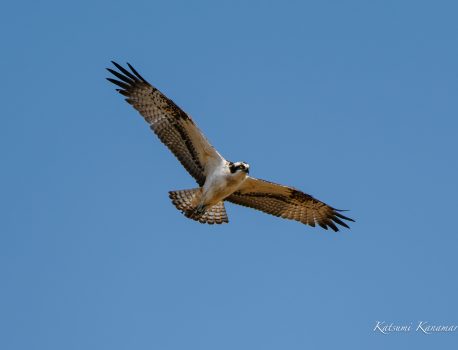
(220, 184)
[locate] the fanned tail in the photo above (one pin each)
(187, 201)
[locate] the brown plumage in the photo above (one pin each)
(288, 203)
(172, 125)
(219, 179)
(187, 200)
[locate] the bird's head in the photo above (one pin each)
(239, 167)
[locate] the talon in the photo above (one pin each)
(200, 209)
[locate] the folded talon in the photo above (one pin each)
(200, 209)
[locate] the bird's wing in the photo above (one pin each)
(172, 125)
(288, 203)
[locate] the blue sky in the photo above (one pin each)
(353, 102)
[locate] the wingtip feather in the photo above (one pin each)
(135, 72)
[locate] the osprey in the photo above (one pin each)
(219, 180)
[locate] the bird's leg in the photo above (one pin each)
(200, 209)
(196, 212)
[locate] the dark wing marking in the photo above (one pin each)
(288, 203)
(172, 125)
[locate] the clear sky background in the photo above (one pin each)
(354, 102)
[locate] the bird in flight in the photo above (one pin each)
(219, 180)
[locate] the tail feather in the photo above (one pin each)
(187, 201)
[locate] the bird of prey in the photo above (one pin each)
(219, 180)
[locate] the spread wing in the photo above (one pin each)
(172, 125)
(288, 203)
